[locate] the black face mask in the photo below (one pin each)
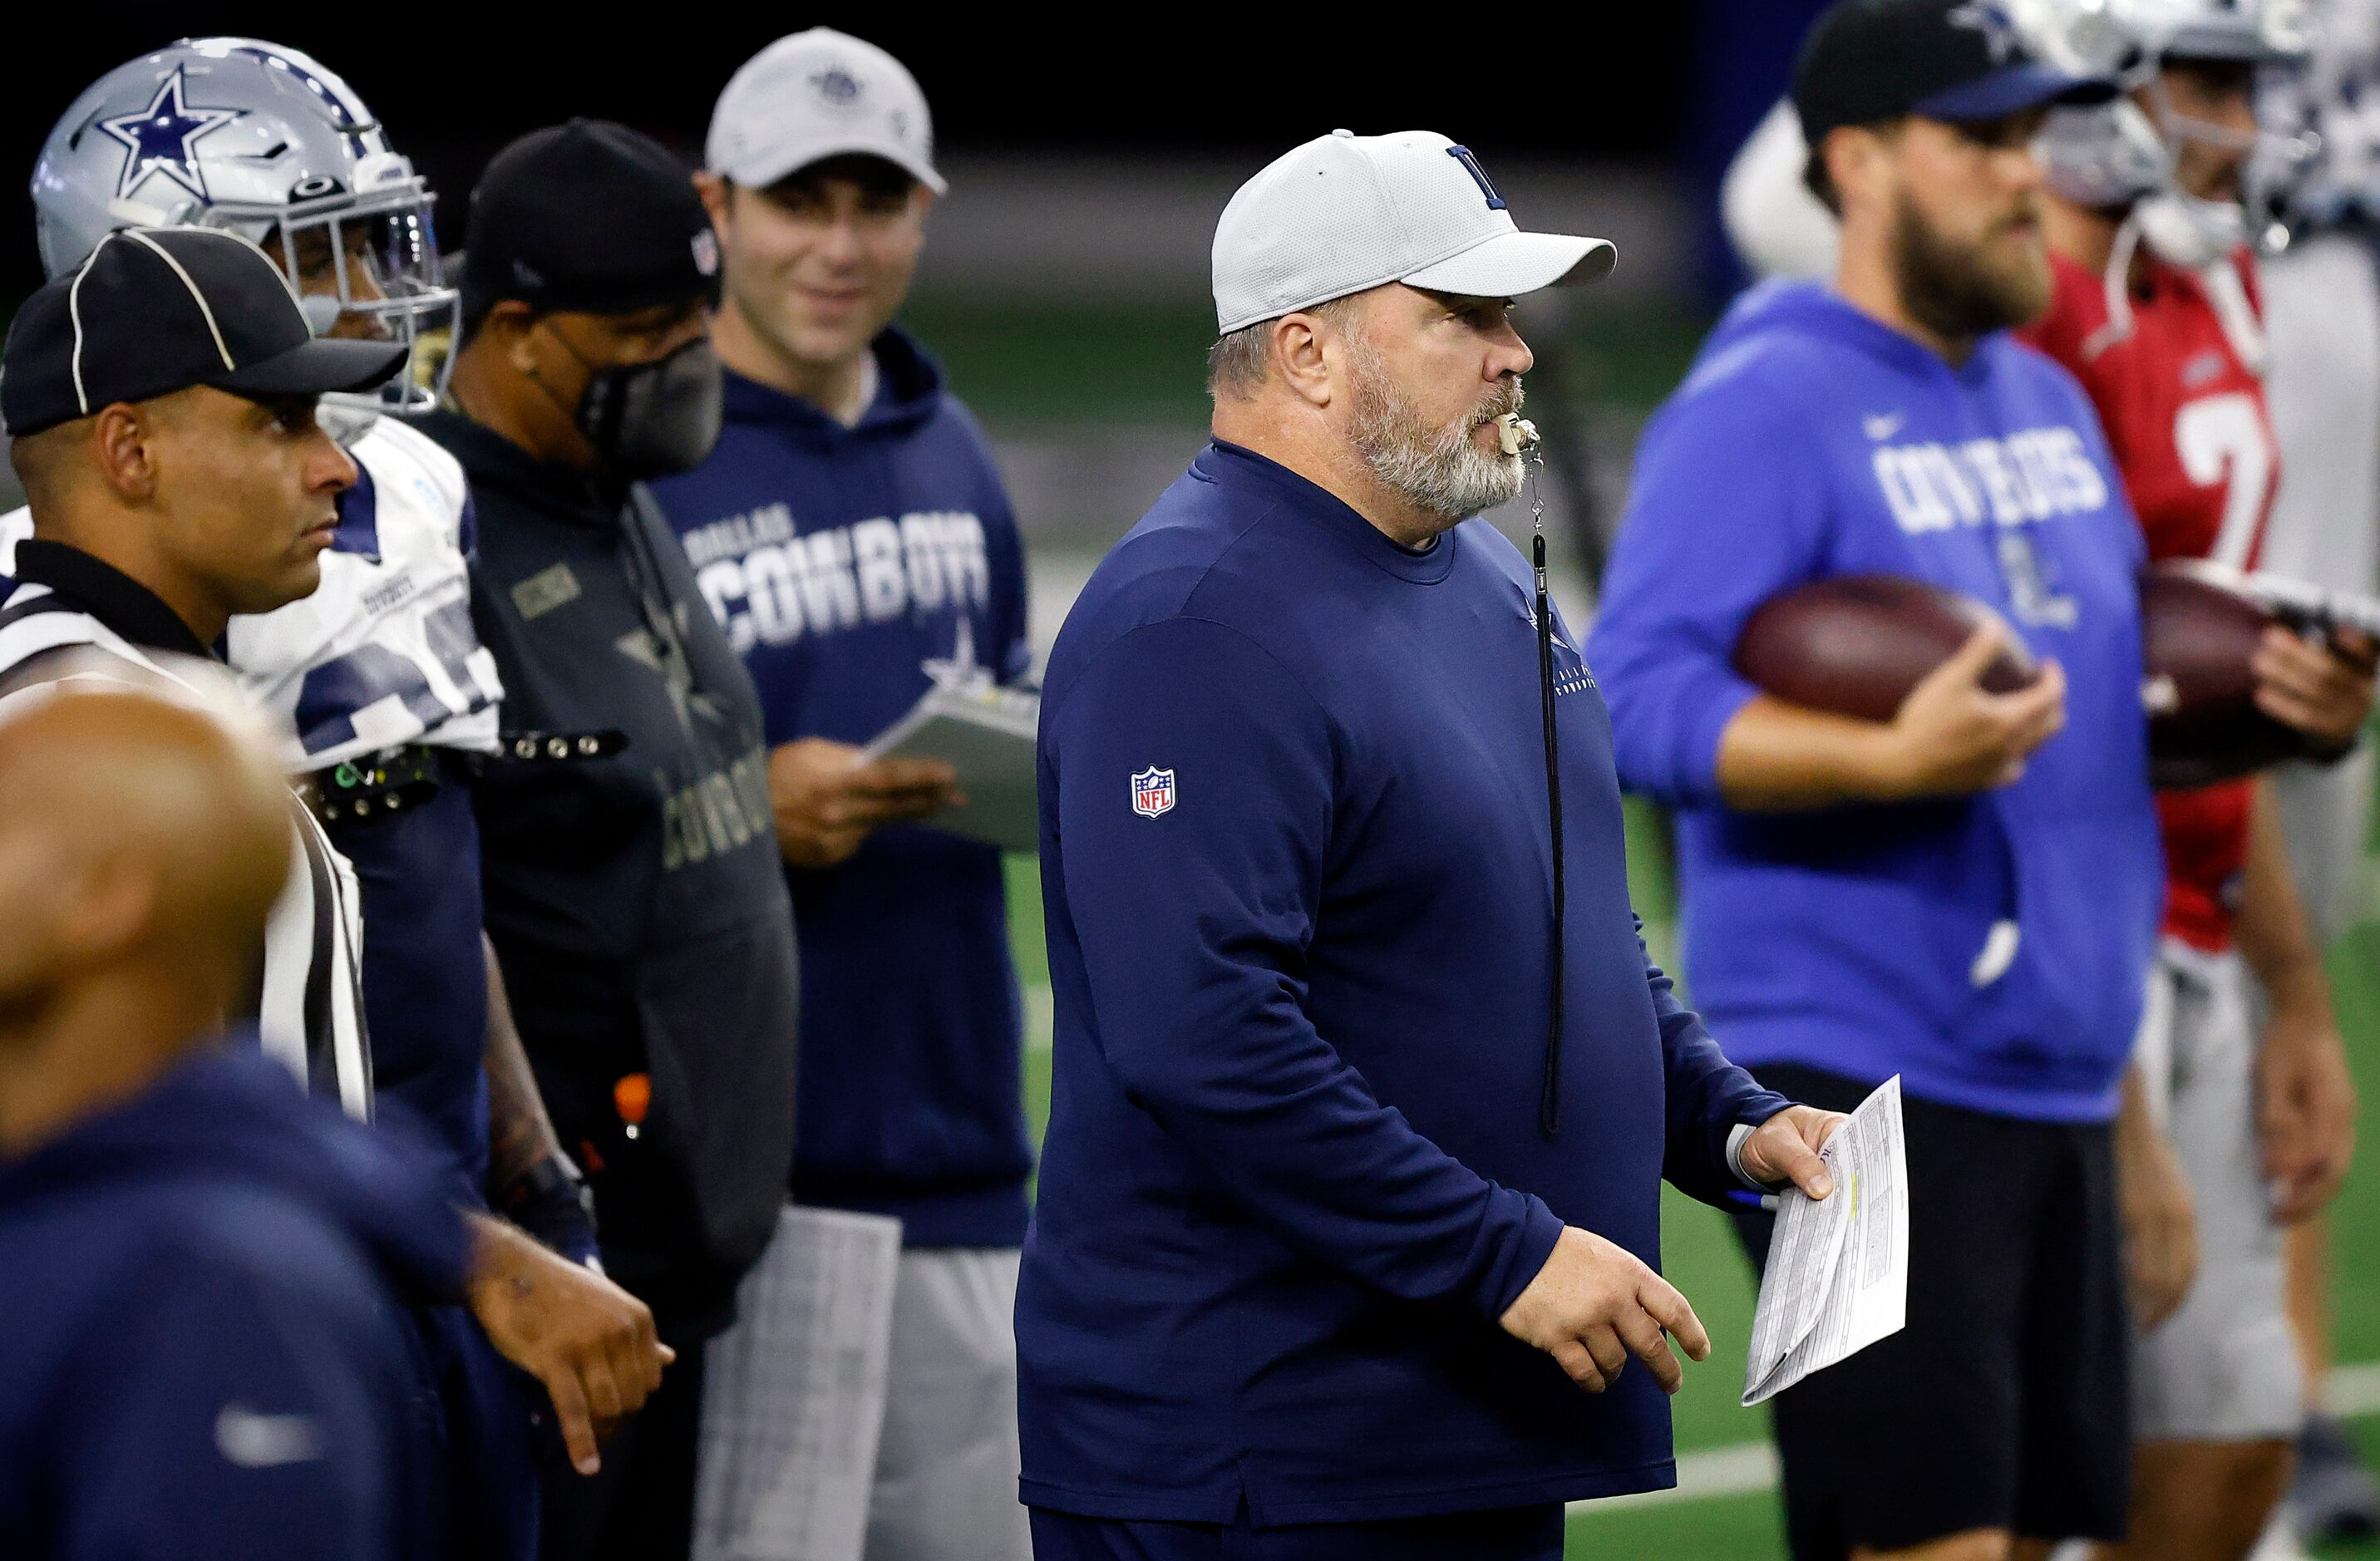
(654, 419)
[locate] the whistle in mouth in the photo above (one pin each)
(1517, 433)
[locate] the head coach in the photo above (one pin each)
(633, 891)
(1965, 895)
(1322, 1178)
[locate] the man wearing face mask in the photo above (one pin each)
(633, 888)
(388, 699)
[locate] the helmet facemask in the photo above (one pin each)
(2122, 155)
(365, 262)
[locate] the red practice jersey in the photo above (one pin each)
(2185, 413)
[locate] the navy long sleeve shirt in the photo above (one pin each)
(1296, 862)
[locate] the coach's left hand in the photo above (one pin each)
(2305, 1108)
(1785, 1148)
(589, 1341)
(2323, 690)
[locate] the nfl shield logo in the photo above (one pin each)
(1152, 792)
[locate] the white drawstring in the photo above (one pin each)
(2118, 284)
(2225, 291)
(2245, 331)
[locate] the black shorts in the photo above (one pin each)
(2005, 1402)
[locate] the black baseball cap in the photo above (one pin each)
(587, 216)
(152, 310)
(1962, 61)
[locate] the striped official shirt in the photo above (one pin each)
(68, 621)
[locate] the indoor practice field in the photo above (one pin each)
(595, 604)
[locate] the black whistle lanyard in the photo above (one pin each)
(1550, 1094)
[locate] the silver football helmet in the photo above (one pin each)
(240, 134)
(2120, 155)
(2254, 30)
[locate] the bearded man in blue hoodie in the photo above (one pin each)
(852, 536)
(1967, 895)
(204, 1272)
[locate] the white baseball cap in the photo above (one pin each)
(1346, 212)
(818, 95)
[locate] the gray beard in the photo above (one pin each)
(1440, 471)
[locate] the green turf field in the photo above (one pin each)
(1703, 1260)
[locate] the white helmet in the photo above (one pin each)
(2252, 30)
(238, 134)
(2120, 155)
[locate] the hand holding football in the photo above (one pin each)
(1959, 700)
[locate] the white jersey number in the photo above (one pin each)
(2225, 437)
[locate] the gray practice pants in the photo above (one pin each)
(2224, 1367)
(947, 1465)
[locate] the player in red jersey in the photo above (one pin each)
(2227, 1136)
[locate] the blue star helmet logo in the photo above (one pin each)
(1991, 18)
(160, 138)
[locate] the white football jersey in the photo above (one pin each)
(383, 653)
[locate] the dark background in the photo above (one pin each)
(1673, 82)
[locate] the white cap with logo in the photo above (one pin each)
(818, 95)
(1346, 212)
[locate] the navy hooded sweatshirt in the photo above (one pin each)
(851, 567)
(1991, 949)
(1296, 857)
(208, 1349)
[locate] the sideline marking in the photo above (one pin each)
(1748, 1468)
(1744, 1469)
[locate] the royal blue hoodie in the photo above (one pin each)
(850, 567)
(208, 1349)
(1296, 856)
(1991, 949)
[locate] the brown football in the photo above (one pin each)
(2199, 628)
(1856, 645)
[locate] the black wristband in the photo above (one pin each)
(551, 1202)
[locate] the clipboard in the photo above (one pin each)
(987, 733)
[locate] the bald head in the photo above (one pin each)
(134, 834)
